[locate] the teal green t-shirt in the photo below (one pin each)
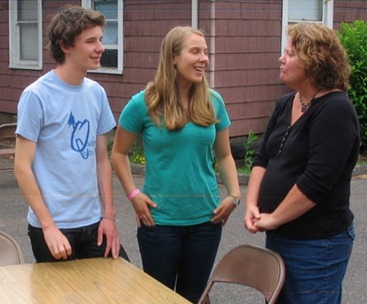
(179, 174)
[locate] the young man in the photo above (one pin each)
(61, 162)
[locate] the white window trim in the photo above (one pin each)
(14, 47)
(328, 13)
(119, 69)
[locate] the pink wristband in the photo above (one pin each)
(133, 194)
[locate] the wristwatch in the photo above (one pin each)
(236, 201)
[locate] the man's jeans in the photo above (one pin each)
(83, 241)
(180, 257)
(315, 269)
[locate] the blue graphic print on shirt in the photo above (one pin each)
(80, 136)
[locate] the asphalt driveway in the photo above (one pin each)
(13, 221)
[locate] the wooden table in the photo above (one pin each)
(87, 281)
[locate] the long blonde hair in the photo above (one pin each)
(161, 95)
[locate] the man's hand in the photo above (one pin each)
(108, 228)
(57, 243)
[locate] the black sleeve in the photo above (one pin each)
(333, 140)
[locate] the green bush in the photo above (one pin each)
(354, 38)
(250, 152)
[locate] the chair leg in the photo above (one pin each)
(206, 300)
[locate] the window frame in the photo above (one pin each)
(327, 18)
(119, 46)
(15, 62)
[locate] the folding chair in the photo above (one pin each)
(10, 252)
(251, 266)
(7, 143)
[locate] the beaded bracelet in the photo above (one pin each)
(133, 194)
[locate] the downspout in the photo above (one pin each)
(195, 23)
(212, 44)
(194, 13)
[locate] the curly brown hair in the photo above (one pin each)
(322, 55)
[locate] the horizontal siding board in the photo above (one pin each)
(247, 78)
(246, 61)
(243, 37)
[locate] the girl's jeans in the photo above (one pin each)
(180, 257)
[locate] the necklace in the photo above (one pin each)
(305, 106)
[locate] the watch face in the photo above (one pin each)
(236, 201)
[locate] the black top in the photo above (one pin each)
(318, 153)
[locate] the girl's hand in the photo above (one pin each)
(224, 210)
(141, 204)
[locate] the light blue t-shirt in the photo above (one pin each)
(65, 121)
(179, 164)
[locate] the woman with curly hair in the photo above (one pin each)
(299, 186)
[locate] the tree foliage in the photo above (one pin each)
(354, 38)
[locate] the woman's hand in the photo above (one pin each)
(224, 210)
(251, 215)
(265, 222)
(141, 204)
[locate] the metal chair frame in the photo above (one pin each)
(251, 266)
(7, 141)
(10, 252)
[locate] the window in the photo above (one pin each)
(25, 34)
(318, 11)
(111, 61)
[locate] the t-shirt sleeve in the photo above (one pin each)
(132, 115)
(30, 116)
(221, 111)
